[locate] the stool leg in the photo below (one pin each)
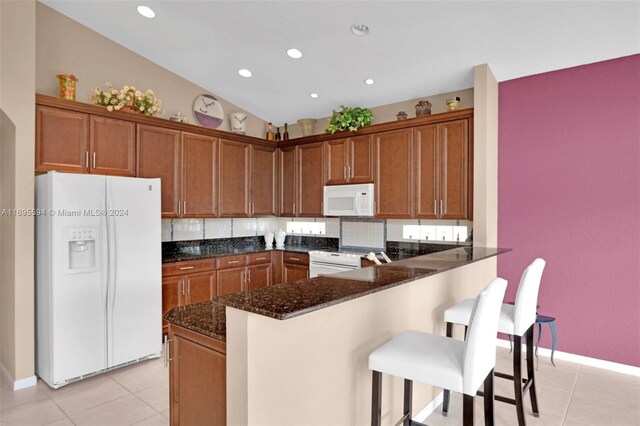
(488, 399)
(408, 399)
(376, 399)
(445, 400)
(530, 372)
(467, 410)
(554, 339)
(539, 336)
(517, 378)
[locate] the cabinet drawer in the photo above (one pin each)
(257, 258)
(295, 258)
(189, 267)
(230, 261)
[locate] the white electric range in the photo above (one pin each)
(325, 262)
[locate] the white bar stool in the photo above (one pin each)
(461, 366)
(517, 320)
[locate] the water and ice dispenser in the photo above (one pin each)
(82, 249)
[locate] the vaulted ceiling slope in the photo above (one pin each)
(413, 49)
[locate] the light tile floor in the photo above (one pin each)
(135, 395)
(569, 394)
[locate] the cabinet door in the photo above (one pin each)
(360, 164)
(337, 154)
(259, 276)
(158, 156)
(62, 140)
(287, 181)
(172, 295)
(295, 272)
(263, 181)
(201, 287)
(234, 179)
(199, 176)
(426, 169)
(310, 175)
(454, 168)
(112, 146)
(230, 281)
(394, 172)
(197, 383)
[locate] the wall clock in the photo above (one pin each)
(208, 111)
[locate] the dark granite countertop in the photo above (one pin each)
(207, 253)
(206, 318)
(284, 301)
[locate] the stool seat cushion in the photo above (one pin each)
(423, 357)
(460, 313)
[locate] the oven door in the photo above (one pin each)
(325, 268)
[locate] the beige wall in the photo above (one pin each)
(66, 47)
(386, 113)
(485, 140)
(17, 150)
(313, 369)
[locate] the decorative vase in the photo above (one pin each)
(238, 122)
(452, 103)
(280, 237)
(268, 239)
(401, 116)
(307, 126)
(67, 86)
(423, 108)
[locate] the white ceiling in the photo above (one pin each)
(414, 49)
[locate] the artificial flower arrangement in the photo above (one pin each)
(127, 99)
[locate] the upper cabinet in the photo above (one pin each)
(112, 146)
(158, 156)
(310, 177)
(263, 180)
(349, 160)
(287, 181)
(199, 177)
(234, 179)
(442, 170)
(69, 141)
(394, 174)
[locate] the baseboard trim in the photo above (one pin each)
(583, 360)
(429, 409)
(27, 382)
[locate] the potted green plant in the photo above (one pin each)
(349, 119)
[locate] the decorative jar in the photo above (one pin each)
(67, 86)
(307, 126)
(423, 108)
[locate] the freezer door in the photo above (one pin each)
(71, 300)
(135, 287)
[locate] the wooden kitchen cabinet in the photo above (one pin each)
(295, 266)
(263, 181)
(287, 181)
(231, 281)
(185, 283)
(62, 140)
(199, 176)
(259, 276)
(349, 160)
(442, 170)
(112, 146)
(158, 156)
(394, 174)
(197, 379)
(310, 178)
(234, 178)
(243, 272)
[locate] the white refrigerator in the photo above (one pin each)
(98, 274)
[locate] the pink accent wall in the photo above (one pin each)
(569, 192)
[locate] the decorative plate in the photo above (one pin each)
(208, 111)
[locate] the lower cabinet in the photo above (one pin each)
(259, 276)
(295, 266)
(244, 272)
(185, 283)
(197, 379)
(231, 281)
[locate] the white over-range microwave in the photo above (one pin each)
(349, 200)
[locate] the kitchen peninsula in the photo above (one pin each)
(331, 324)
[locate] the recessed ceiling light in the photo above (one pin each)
(360, 30)
(369, 81)
(314, 95)
(294, 53)
(146, 12)
(244, 72)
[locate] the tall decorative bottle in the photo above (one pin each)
(270, 135)
(285, 135)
